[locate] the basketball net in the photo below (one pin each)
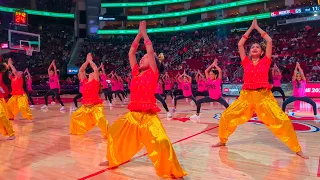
(29, 51)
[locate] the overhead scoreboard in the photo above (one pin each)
(20, 18)
(310, 9)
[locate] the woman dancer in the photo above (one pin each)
(5, 124)
(299, 91)
(19, 100)
(167, 85)
(90, 114)
(187, 90)
(179, 88)
(115, 86)
(29, 87)
(128, 80)
(276, 75)
(141, 124)
(120, 86)
(54, 87)
(214, 86)
(104, 79)
(159, 92)
(202, 89)
(257, 97)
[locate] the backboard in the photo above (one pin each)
(19, 40)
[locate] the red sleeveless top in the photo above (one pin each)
(256, 76)
(90, 92)
(17, 86)
(142, 91)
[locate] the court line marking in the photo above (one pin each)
(186, 138)
(318, 175)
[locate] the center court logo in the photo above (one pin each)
(297, 124)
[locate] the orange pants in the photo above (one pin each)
(86, 118)
(135, 130)
(265, 105)
(19, 103)
(5, 125)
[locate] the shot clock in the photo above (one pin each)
(20, 18)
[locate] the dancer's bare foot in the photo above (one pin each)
(11, 137)
(219, 144)
(301, 154)
(106, 163)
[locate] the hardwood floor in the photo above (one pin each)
(45, 150)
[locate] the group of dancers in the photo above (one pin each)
(141, 126)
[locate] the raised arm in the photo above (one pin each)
(244, 38)
(180, 78)
(197, 76)
(219, 70)
(82, 70)
(274, 69)
(189, 77)
(94, 67)
(133, 50)
(278, 70)
(102, 69)
(303, 77)
(267, 38)
(207, 71)
(149, 46)
(294, 77)
(54, 67)
(13, 69)
(49, 68)
(28, 73)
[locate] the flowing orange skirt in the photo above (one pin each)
(265, 105)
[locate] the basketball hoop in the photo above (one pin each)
(29, 51)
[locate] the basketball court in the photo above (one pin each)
(45, 150)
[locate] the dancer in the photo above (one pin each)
(19, 100)
(299, 91)
(120, 86)
(214, 86)
(29, 87)
(159, 92)
(104, 79)
(202, 89)
(187, 90)
(167, 85)
(128, 80)
(276, 75)
(115, 86)
(179, 88)
(54, 87)
(141, 126)
(5, 124)
(256, 96)
(91, 113)
(78, 96)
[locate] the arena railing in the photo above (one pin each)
(195, 11)
(190, 26)
(39, 13)
(143, 4)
